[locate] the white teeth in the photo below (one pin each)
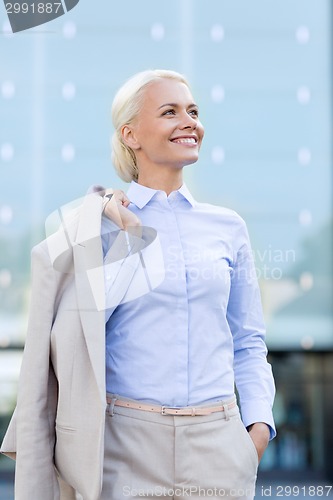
(186, 140)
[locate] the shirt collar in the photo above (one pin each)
(141, 195)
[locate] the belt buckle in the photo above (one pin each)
(188, 410)
(164, 408)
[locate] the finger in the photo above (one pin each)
(121, 197)
(119, 194)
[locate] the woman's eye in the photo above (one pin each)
(194, 112)
(169, 112)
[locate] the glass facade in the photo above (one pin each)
(303, 413)
(261, 73)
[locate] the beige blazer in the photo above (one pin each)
(56, 433)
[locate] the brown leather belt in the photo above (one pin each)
(166, 410)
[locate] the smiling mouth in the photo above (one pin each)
(185, 140)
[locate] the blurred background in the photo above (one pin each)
(261, 73)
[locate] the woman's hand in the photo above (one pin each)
(115, 208)
(260, 434)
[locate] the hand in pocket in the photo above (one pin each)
(259, 433)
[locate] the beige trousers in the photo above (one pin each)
(148, 455)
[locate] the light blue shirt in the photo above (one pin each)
(201, 330)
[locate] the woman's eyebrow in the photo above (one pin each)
(175, 105)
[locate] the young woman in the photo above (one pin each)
(181, 323)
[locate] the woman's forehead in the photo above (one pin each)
(167, 91)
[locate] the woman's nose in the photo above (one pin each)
(188, 121)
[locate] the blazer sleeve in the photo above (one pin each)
(31, 434)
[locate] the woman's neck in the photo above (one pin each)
(164, 181)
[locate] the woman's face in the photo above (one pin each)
(167, 130)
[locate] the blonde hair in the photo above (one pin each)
(125, 107)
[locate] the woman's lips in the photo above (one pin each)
(191, 141)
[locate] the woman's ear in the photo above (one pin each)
(129, 137)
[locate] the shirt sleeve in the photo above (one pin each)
(253, 374)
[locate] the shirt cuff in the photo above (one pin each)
(258, 411)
